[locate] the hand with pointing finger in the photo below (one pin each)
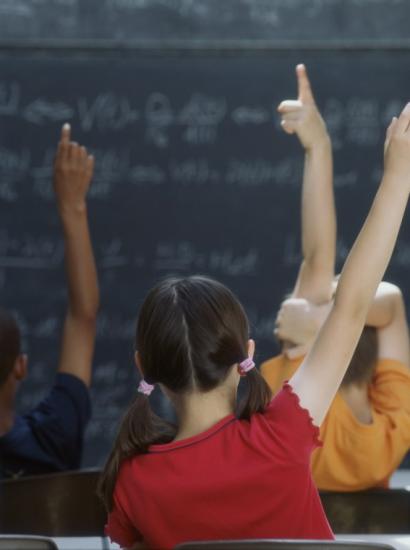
(73, 171)
(301, 116)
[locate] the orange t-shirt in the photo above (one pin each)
(358, 456)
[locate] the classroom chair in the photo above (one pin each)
(375, 511)
(54, 505)
(21, 542)
(269, 544)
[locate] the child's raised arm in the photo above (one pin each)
(299, 321)
(319, 376)
(302, 117)
(388, 315)
(73, 171)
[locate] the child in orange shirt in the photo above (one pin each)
(366, 432)
(223, 473)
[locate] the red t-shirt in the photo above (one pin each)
(237, 480)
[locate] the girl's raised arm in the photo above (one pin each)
(319, 377)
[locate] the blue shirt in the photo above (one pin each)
(50, 437)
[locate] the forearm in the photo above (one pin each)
(363, 270)
(319, 376)
(318, 211)
(372, 251)
(299, 321)
(384, 308)
(82, 282)
(388, 315)
(318, 225)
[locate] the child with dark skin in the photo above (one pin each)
(50, 437)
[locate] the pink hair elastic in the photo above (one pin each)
(145, 388)
(246, 365)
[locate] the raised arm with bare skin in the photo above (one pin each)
(388, 315)
(73, 171)
(301, 117)
(318, 378)
(299, 321)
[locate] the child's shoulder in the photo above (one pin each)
(272, 363)
(278, 369)
(286, 424)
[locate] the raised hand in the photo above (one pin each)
(318, 378)
(318, 214)
(397, 148)
(73, 171)
(301, 116)
(299, 321)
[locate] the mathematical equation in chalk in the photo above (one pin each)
(22, 177)
(356, 120)
(40, 252)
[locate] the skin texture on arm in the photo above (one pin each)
(301, 117)
(319, 376)
(299, 321)
(73, 171)
(388, 315)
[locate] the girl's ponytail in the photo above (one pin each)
(140, 428)
(190, 332)
(259, 395)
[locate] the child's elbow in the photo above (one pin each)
(395, 293)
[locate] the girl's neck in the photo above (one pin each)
(199, 411)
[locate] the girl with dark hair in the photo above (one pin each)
(224, 473)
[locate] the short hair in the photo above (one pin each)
(9, 344)
(364, 360)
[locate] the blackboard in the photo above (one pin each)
(193, 174)
(202, 22)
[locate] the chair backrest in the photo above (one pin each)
(269, 544)
(21, 542)
(55, 505)
(365, 512)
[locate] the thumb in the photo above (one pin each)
(305, 94)
(389, 132)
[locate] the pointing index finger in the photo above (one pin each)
(65, 133)
(304, 90)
